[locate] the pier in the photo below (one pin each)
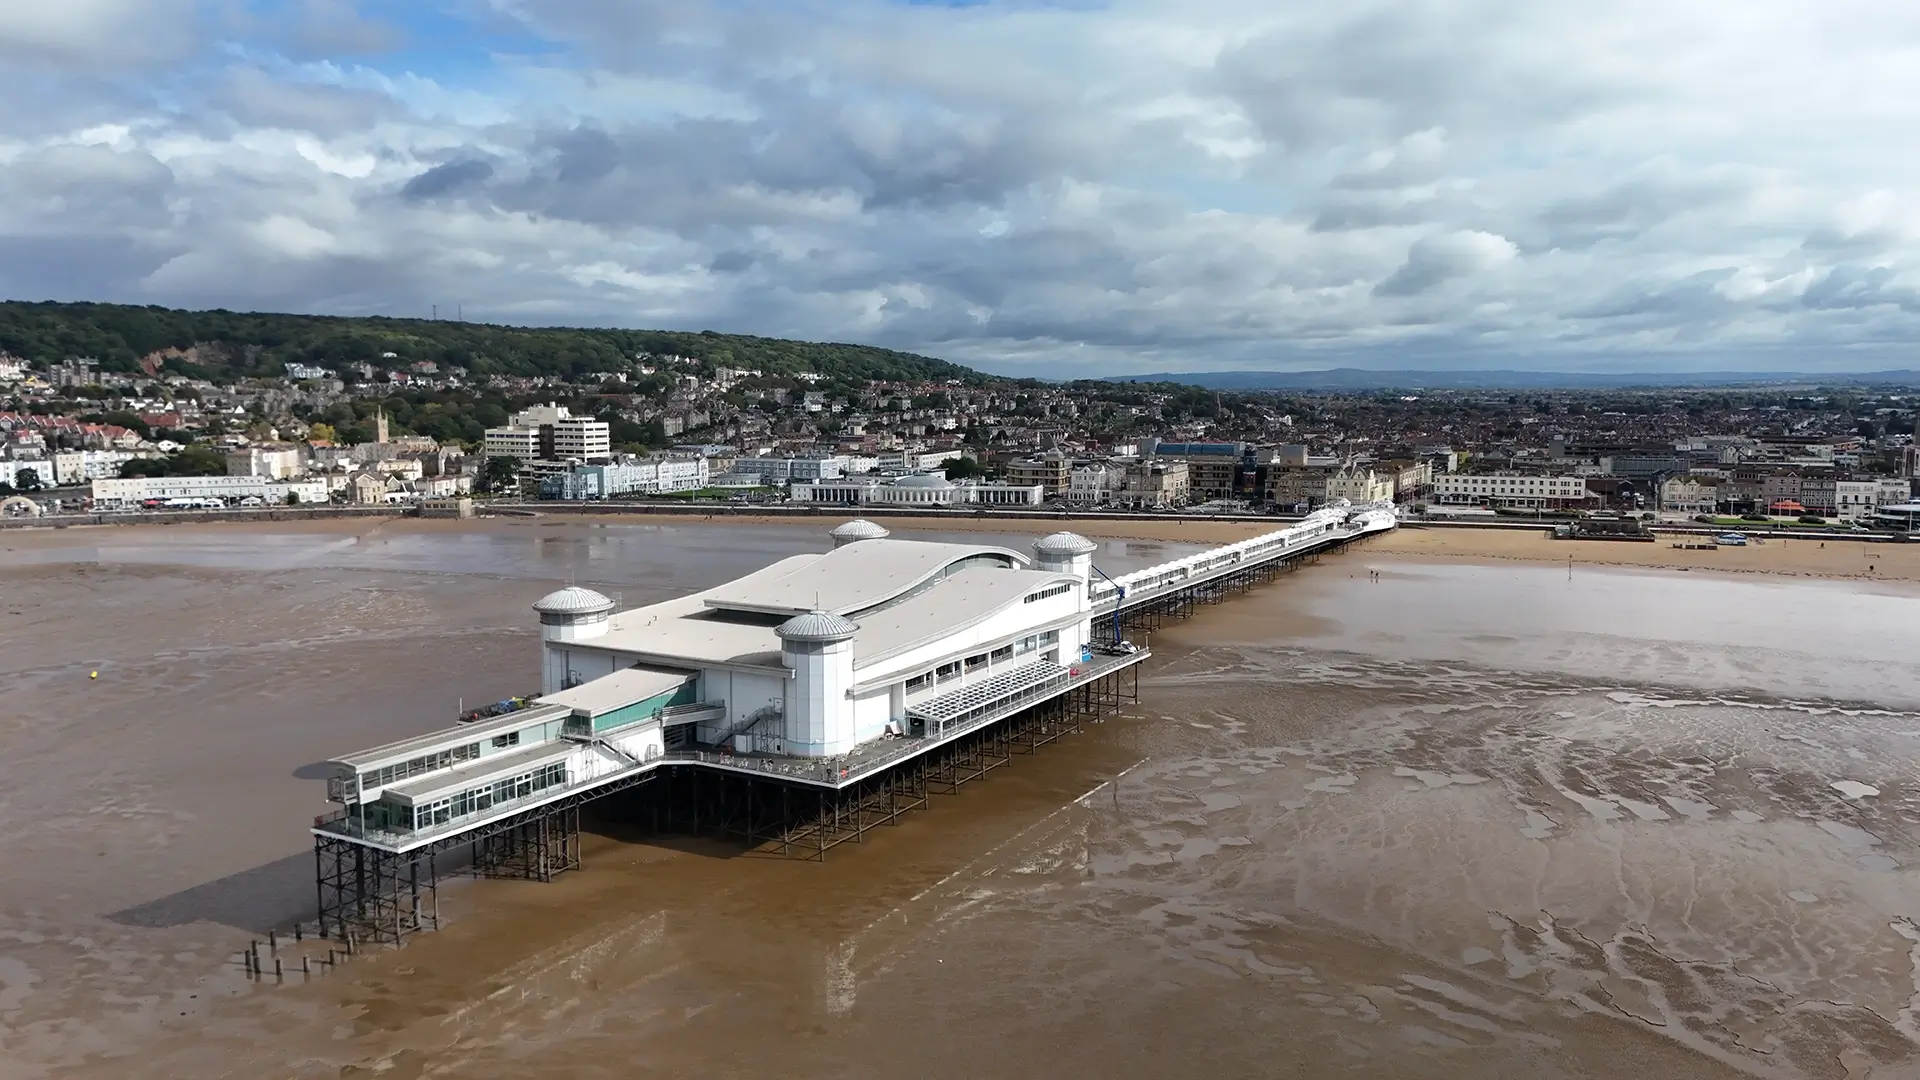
(795, 709)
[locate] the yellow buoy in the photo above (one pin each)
(93, 674)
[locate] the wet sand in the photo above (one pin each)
(1839, 558)
(1795, 558)
(1475, 818)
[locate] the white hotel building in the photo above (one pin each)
(816, 664)
(552, 433)
(1511, 491)
(921, 491)
(132, 491)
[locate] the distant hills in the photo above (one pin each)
(229, 344)
(1366, 379)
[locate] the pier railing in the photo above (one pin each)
(881, 754)
(1315, 529)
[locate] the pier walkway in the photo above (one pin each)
(1203, 573)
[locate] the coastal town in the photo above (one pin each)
(76, 438)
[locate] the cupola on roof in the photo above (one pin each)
(859, 529)
(823, 626)
(573, 600)
(1065, 543)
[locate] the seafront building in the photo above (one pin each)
(549, 433)
(1512, 491)
(1154, 485)
(777, 471)
(117, 494)
(921, 491)
(1213, 468)
(657, 475)
(797, 705)
(1048, 471)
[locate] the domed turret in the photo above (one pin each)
(570, 602)
(1065, 553)
(855, 531)
(818, 648)
(817, 626)
(566, 616)
(1063, 545)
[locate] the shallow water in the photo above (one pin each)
(1463, 821)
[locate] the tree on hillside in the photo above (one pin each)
(234, 345)
(193, 461)
(27, 481)
(964, 468)
(499, 475)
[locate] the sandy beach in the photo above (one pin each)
(1790, 558)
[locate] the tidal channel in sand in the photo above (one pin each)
(1468, 819)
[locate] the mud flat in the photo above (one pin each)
(1471, 817)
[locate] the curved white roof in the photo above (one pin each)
(851, 579)
(573, 600)
(957, 602)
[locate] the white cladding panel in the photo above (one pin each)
(871, 712)
(1080, 566)
(836, 693)
(1016, 621)
(819, 719)
(744, 694)
(591, 763)
(1073, 641)
(563, 667)
(646, 744)
(580, 629)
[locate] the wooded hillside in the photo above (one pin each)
(236, 344)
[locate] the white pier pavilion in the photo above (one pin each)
(848, 676)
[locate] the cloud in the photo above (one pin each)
(92, 38)
(1136, 185)
(447, 179)
(254, 98)
(1433, 261)
(1856, 287)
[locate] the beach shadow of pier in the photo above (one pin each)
(275, 894)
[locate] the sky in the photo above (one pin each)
(1052, 189)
